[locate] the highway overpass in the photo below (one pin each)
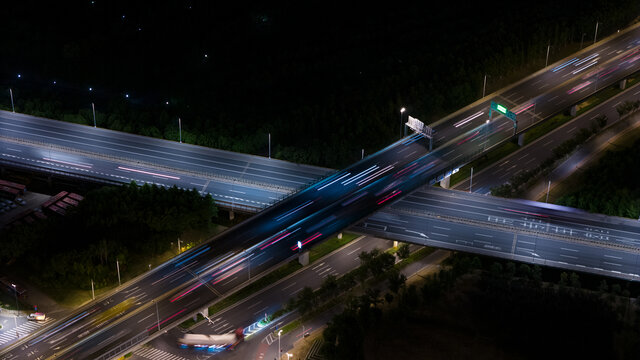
(342, 199)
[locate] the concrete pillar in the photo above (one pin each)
(340, 236)
(444, 183)
(521, 139)
(231, 215)
(573, 110)
(303, 258)
(623, 84)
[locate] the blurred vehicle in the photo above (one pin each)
(37, 316)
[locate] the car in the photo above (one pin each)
(38, 316)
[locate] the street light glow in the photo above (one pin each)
(402, 110)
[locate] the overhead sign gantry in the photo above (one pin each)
(419, 127)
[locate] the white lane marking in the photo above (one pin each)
(441, 228)
(608, 263)
(349, 253)
(145, 318)
(239, 192)
(613, 257)
(568, 256)
(485, 235)
(288, 286)
(439, 234)
(574, 250)
(295, 292)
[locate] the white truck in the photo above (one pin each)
(224, 341)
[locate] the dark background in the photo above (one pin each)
(324, 78)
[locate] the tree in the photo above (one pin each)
(564, 279)
(403, 251)
(574, 280)
(307, 300)
(396, 280)
(329, 286)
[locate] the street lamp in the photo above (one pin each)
(157, 314)
(484, 85)
(180, 129)
(279, 333)
(547, 61)
(401, 111)
(596, 33)
(94, 114)
(11, 93)
(15, 316)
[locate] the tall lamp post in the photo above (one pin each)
(180, 129)
(94, 114)
(547, 61)
(279, 333)
(596, 33)
(15, 316)
(484, 85)
(13, 109)
(401, 111)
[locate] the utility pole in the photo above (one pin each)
(269, 145)
(178, 246)
(93, 294)
(596, 34)
(180, 129)
(401, 111)
(471, 181)
(94, 114)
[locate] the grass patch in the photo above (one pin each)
(415, 256)
(291, 326)
(189, 323)
(329, 245)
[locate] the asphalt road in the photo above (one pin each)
(308, 215)
(523, 230)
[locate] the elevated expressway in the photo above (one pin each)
(338, 201)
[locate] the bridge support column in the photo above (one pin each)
(573, 110)
(444, 183)
(521, 139)
(303, 258)
(231, 215)
(623, 84)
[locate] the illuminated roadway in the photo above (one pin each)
(310, 215)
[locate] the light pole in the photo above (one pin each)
(548, 187)
(157, 314)
(471, 181)
(180, 129)
(178, 246)
(596, 33)
(279, 333)
(582, 39)
(11, 93)
(118, 267)
(547, 61)
(401, 111)
(93, 293)
(269, 145)
(362, 155)
(484, 85)
(15, 316)
(94, 114)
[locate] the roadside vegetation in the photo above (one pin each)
(610, 186)
(493, 309)
(130, 224)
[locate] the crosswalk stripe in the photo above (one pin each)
(156, 354)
